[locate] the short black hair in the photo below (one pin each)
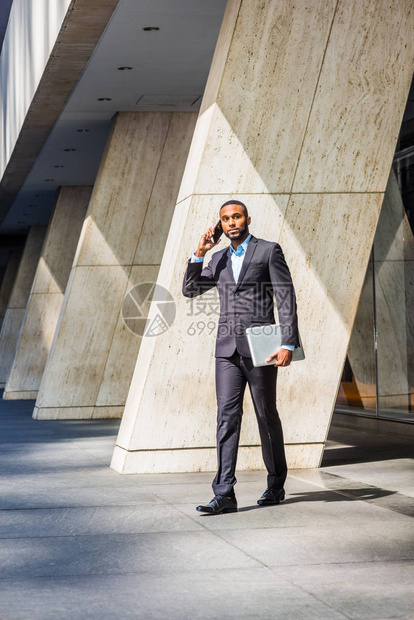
(236, 202)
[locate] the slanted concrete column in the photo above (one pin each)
(8, 281)
(300, 120)
(16, 308)
(93, 354)
(47, 293)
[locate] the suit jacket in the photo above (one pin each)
(248, 302)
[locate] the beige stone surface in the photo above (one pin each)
(360, 98)
(268, 129)
(36, 335)
(93, 354)
(326, 270)
(25, 395)
(8, 281)
(12, 322)
(123, 189)
(61, 240)
(27, 267)
(8, 337)
(165, 461)
(47, 293)
(210, 95)
(161, 205)
(77, 359)
(107, 412)
(254, 140)
(119, 363)
(68, 413)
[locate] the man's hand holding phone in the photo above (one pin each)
(207, 240)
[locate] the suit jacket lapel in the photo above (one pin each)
(228, 266)
(251, 248)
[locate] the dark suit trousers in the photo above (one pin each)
(232, 374)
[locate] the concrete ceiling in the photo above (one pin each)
(169, 71)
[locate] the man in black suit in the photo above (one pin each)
(247, 275)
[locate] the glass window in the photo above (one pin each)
(378, 377)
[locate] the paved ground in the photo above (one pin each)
(79, 541)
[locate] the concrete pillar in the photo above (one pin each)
(16, 308)
(47, 293)
(300, 119)
(8, 281)
(93, 354)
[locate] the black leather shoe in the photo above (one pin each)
(271, 496)
(218, 505)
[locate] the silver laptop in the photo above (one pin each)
(264, 340)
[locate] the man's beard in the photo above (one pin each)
(240, 234)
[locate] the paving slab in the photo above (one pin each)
(116, 553)
(354, 588)
(323, 545)
(254, 593)
(396, 474)
(26, 497)
(93, 521)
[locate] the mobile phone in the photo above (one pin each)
(218, 231)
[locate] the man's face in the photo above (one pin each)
(233, 221)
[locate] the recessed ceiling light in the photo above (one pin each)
(49, 180)
(69, 150)
(150, 28)
(82, 130)
(58, 166)
(104, 99)
(124, 68)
